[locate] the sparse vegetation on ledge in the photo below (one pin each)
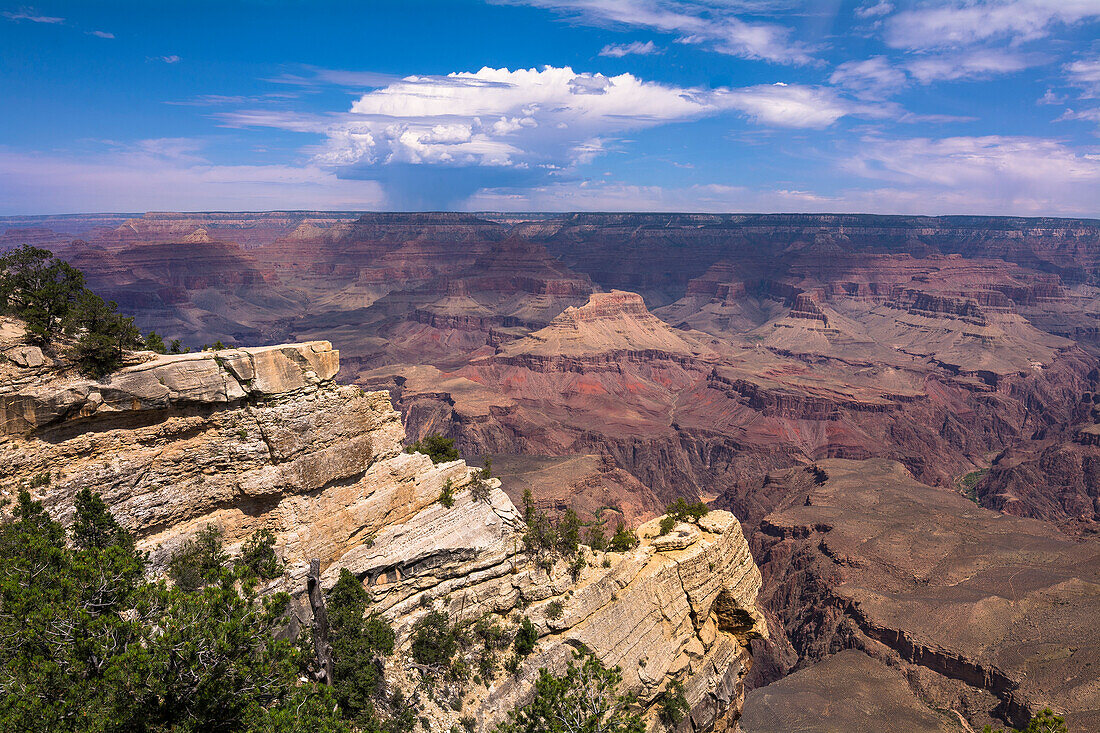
(49, 296)
(436, 447)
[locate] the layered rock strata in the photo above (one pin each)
(664, 611)
(983, 614)
(250, 439)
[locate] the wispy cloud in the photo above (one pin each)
(874, 9)
(165, 175)
(875, 78)
(970, 65)
(635, 48)
(31, 16)
(711, 24)
(1085, 74)
(172, 59)
(315, 76)
(998, 173)
(959, 23)
(224, 100)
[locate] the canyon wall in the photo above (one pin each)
(264, 438)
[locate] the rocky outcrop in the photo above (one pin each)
(682, 610)
(958, 598)
(174, 382)
(263, 438)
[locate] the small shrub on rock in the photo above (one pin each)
(434, 644)
(258, 558)
(673, 705)
(667, 524)
(199, 561)
(681, 511)
(526, 638)
(447, 494)
(623, 540)
(436, 447)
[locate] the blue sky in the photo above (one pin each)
(887, 106)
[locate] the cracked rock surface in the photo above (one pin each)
(263, 438)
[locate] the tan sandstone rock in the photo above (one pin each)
(251, 439)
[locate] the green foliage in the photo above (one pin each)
(546, 538)
(667, 523)
(447, 494)
(568, 533)
(105, 337)
(554, 610)
(258, 558)
(49, 296)
(39, 289)
(673, 704)
(577, 566)
(434, 644)
(585, 698)
(155, 342)
(624, 539)
(436, 447)
(94, 528)
(493, 638)
(969, 483)
(1045, 722)
(199, 561)
(541, 536)
(526, 638)
(359, 643)
(479, 487)
(88, 645)
(681, 511)
(596, 539)
(528, 506)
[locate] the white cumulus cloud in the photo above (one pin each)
(548, 118)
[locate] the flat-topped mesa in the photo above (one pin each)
(167, 382)
(605, 306)
(609, 322)
(805, 306)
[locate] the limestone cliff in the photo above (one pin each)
(256, 438)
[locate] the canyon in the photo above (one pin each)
(901, 411)
(263, 438)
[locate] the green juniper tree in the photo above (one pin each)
(436, 447)
(87, 645)
(359, 643)
(584, 698)
(49, 296)
(39, 289)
